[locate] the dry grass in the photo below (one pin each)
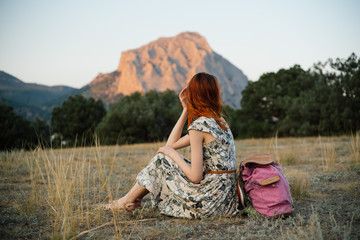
(300, 186)
(328, 154)
(57, 194)
(354, 147)
(74, 182)
(312, 229)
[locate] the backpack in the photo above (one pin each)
(265, 184)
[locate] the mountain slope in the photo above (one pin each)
(168, 63)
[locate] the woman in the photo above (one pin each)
(204, 187)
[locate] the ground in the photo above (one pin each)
(57, 194)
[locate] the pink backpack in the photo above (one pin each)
(266, 185)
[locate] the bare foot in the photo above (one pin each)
(120, 204)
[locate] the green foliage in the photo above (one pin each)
(232, 118)
(41, 130)
(295, 102)
(140, 118)
(16, 131)
(77, 118)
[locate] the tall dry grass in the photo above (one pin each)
(75, 182)
(328, 153)
(274, 146)
(299, 184)
(354, 147)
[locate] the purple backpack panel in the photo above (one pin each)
(267, 188)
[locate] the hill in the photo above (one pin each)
(29, 99)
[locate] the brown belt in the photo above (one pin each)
(219, 172)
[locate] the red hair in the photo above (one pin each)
(203, 98)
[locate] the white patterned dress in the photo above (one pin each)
(175, 195)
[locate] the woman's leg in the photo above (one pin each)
(127, 202)
(135, 193)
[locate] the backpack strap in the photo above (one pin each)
(240, 190)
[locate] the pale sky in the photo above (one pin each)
(68, 42)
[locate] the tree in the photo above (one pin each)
(348, 89)
(140, 118)
(15, 130)
(42, 131)
(232, 118)
(293, 102)
(77, 118)
(266, 102)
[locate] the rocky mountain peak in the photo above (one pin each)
(168, 63)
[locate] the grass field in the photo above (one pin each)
(57, 194)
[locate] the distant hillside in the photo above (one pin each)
(60, 99)
(168, 63)
(28, 99)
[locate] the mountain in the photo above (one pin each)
(28, 99)
(168, 63)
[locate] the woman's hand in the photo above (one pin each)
(168, 151)
(183, 98)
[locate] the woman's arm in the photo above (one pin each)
(193, 172)
(182, 142)
(177, 130)
(174, 139)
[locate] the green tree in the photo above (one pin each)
(232, 118)
(140, 118)
(42, 131)
(347, 87)
(16, 131)
(337, 92)
(77, 118)
(293, 102)
(265, 103)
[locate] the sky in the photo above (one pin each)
(69, 42)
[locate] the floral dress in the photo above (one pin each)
(175, 195)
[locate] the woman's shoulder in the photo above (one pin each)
(204, 120)
(212, 121)
(203, 123)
